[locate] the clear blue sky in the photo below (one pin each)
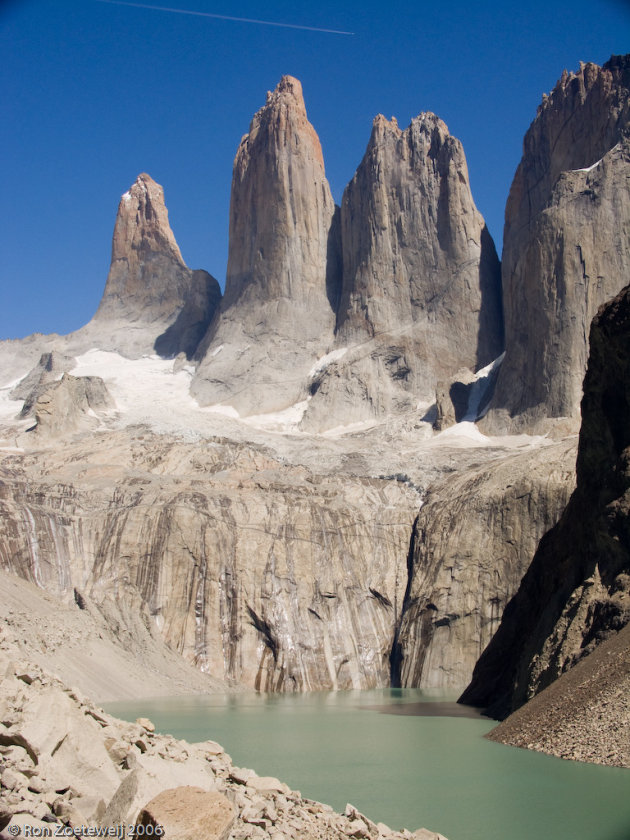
(94, 93)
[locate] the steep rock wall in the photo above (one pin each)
(473, 541)
(577, 589)
(421, 295)
(566, 245)
(263, 575)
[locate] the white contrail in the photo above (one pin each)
(228, 17)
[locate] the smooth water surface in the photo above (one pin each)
(404, 770)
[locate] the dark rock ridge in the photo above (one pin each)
(152, 301)
(566, 244)
(577, 589)
(277, 316)
(421, 295)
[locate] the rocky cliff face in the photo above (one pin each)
(278, 312)
(566, 244)
(421, 292)
(577, 589)
(473, 541)
(152, 301)
(256, 571)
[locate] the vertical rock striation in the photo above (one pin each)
(152, 301)
(576, 592)
(278, 312)
(566, 244)
(474, 539)
(421, 282)
(256, 571)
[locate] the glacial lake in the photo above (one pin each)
(406, 770)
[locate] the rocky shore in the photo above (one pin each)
(583, 715)
(67, 765)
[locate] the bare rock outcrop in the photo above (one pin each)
(473, 541)
(576, 593)
(70, 404)
(566, 245)
(152, 301)
(421, 294)
(278, 312)
(48, 369)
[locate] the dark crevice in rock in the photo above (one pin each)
(396, 654)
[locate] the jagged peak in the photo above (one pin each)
(287, 88)
(616, 70)
(283, 114)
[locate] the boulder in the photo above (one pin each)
(189, 813)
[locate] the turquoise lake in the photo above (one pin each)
(405, 770)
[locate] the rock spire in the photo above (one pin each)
(152, 301)
(421, 283)
(278, 312)
(566, 244)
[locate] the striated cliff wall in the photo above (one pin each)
(257, 572)
(473, 541)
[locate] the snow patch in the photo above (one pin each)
(226, 410)
(126, 196)
(323, 363)
(483, 380)
(286, 420)
(467, 430)
(217, 350)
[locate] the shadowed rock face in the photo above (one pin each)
(566, 244)
(152, 301)
(278, 314)
(473, 541)
(577, 589)
(421, 292)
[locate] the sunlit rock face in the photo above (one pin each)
(421, 295)
(152, 301)
(278, 313)
(576, 592)
(257, 572)
(473, 540)
(566, 245)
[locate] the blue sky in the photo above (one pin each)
(94, 93)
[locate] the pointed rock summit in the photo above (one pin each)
(421, 282)
(278, 314)
(566, 245)
(152, 301)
